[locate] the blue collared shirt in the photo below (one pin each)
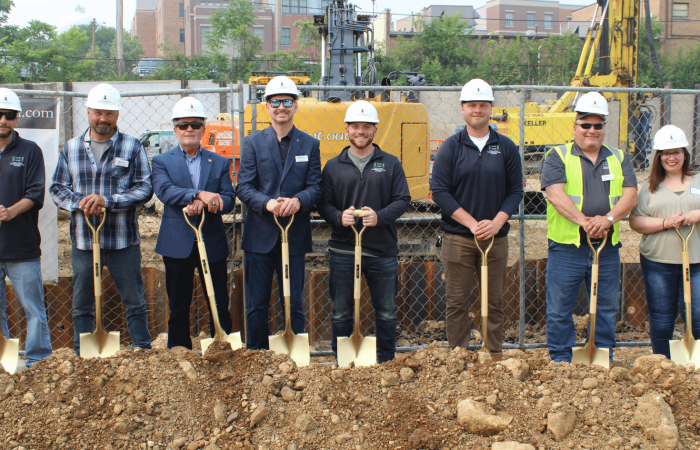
(193, 166)
(122, 177)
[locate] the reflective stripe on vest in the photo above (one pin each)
(561, 229)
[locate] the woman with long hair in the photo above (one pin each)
(668, 200)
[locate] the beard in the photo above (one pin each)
(102, 129)
(358, 145)
(5, 134)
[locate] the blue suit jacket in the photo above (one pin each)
(173, 186)
(262, 177)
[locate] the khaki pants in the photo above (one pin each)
(461, 260)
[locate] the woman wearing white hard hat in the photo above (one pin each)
(668, 200)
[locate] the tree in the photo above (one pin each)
(683, 70)
(230, 27)
(647, 74)
(5, 7)
(309, 39)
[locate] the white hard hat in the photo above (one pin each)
(362, 111)
(9, 100)
(281, 85)
(104, 96)
(592, 103)
(189, 107)
(670, 137)
(476, 90)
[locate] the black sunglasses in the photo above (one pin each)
(587, 126)
(287, 102)
(9, 115)
(184, 125)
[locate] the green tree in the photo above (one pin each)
(230, 27)
(683, 69)
(647, 74)
(309, 39)
(133, 52)
(5, 7)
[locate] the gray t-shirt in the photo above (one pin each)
(98, 148)
(596, 192)
(665, 246)
(360, 163)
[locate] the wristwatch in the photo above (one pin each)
(610, 219)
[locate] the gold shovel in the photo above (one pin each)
(484, 293)
(219, 335)
(100, 343)
(687, 350)
(9, 352)
(590, 354)
(294, 345)
(357, 349)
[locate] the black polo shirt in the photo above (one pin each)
(21, 176)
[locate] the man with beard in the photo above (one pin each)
(22, 183)
(280, 176)
(364, 177)
(477, 183)
(105, 168)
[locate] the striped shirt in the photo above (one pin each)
(122, 176)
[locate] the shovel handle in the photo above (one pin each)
(286, 289)
(197, 230)
(357, 278)
(484, 289)
(284, 230)
(97, 268)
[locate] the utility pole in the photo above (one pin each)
(278, 25)
(120, 38)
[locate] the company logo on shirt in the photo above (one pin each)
(493, 149)
(379, 167)
(17, 161)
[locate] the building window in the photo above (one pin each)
(548, 20)
(285, 36)
(259, 32)
(568, 18)
(181, 9)
(204, 33)
(182, 35)
(680, 10)
(294, 6)
(531, 20)
(510, 16)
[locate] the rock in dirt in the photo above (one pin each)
(616, 442)
(619, 374)
(259, 414)
(342, 438)
(406, 374)
(287, 394)
(519, 369)
(7, 386)
(645, 365)
(590, 383)
(186, 367)
(561, 423)
(219, 412)
(655, 418)
(422, 439)
(639, 389)
(511, 445)
(390, 379)
(478, 418)
(306, 422)
(66, 368)
(28, 398)
(218, 352)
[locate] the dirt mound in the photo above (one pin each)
(433, 398)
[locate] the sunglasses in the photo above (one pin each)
(182, 126)
(9, 115)
(587, 126)
(287, 102)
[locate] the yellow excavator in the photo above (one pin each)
(551, 124)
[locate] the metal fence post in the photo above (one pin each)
(253, 111)
(241, 132)
(524, 95)
(696, 126)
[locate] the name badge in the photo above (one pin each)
(694, 190)
(119, 162)
(302, 158)
(608, 177)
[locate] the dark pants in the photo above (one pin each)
(125, 268)
(179, 274)
(383, 283)
(259, 268)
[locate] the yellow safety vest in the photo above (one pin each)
(559, 228)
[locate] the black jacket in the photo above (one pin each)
(382, 186)
(22, 175)
(482, 183)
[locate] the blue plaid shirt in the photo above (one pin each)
(123, 188)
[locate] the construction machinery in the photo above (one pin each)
(403, 123)
(616, 34)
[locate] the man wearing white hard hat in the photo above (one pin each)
(192, 177)
(22, 185)
(668, 200)
(363, 177)
(478, 184)
(590, 188)
(105, 168)
(280, 176)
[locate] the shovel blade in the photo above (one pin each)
(366, 355)
(90, 346)
(9, 354)
(299, 350)
(681, 355)
(591, 355)
(234, 339)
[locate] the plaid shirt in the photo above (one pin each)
(123, 188)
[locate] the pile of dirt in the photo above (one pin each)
(433, 398)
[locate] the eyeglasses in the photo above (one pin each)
(287, 102)
(587, 126)
(182, 126)
(9, 115)
(676, 154)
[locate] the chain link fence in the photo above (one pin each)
(414, 121)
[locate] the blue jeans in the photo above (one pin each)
(26, 281)
(383, 282)
(567, 267)
(125, 268)
(664, 291)
(259, 268)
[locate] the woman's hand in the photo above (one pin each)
(676, 220)
(691, 218)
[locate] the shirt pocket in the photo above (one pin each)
(119, 177)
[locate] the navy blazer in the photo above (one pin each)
(173, 186)
(262, 177)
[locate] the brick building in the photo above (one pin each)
(525, 17)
